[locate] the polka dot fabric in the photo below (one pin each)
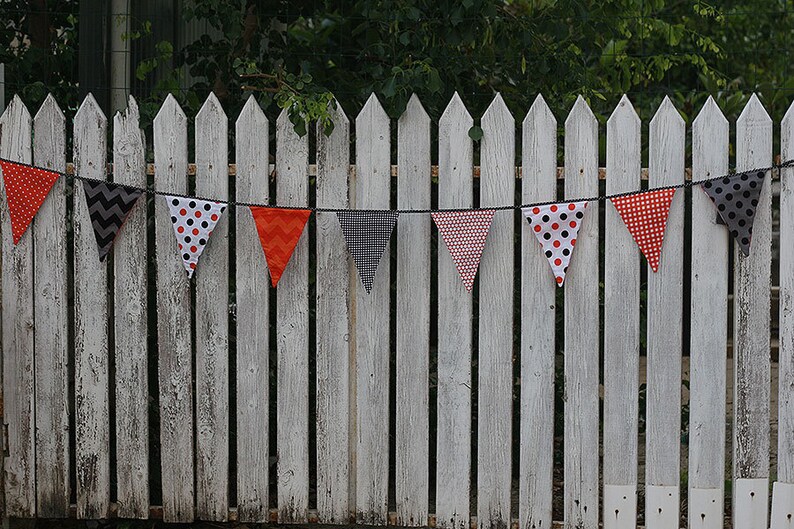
(367, 233)
(465, 232)
(193, 222)
(556, 226)
(26, 189)
(645, 216)
(736, 198)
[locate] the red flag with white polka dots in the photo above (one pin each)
(193, 222)
(26, 188)
(465, 233)
(645, 215)
(556, 227)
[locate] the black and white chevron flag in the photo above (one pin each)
(108, 204)
(367, 233)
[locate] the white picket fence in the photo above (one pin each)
(102, 335)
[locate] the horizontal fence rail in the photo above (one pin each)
(132, 391)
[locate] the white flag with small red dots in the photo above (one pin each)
(193, 222)
(465, 233)
(26, 188)
(645, 215)
(556, 227)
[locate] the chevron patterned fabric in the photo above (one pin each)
(279, 231)
(108, 204)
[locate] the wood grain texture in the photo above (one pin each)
(334, 273)
(175, 359)
(708, 324)
(292, 327)
(92, 420)
(785, 414)
(455, 310)
(372, 323)
(413, 317)
(582, 327)
(212, 322)
(752, 279)
(538, 291)
(130, 323)
(253, 309)
(495, 364)
(51, 333)
(16, 262)
(665, 325)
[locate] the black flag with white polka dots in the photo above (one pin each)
(367, 233)
(736, 198)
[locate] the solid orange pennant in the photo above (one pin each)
(26, 189)
(279, 231)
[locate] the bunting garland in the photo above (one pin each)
(556, 226)
(279, 231)
(26, 188)
(464, 233)
(367, 233)
(193, 221)
(645, 216)
(109, 205)
(736, 198)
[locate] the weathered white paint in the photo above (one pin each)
(665, 327)
(621, 323)
(17, 331)
(495, 363)
(253, 348)
(92, 419)
(212, 322)
(130, 323)
(750, 501)
(292, 328)
(371, 315)
(51, 333)
(785, 414)
(752, 278)
(705, 508)
(333, 330)
(708, 324)
(175, 360)
(538, 290)
(453, 430)
(581, 326)
(620, 505)
(782, 506)
(413, 316)
(661, 506)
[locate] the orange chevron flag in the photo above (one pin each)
(279, 231)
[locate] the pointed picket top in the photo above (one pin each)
(211, 114)
(251, 113)
(667, 116)
(50, 112)
(456, 111)
(754, 114)
(90, 109)
(127, 116)
(338, 115)
(540, 115)
(372, 112)
(580, 114)
(170, 113)
(497, 114)
(709, 116)
(15, 109)
(414, 111)
(624, 115)
(17, 145)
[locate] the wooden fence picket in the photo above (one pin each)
(708, 326)
(665, 328)
(253, 322)
(455, 310)
(212, 321)
(51, 333)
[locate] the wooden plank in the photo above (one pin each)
(708, 324)
(292, 327)
(334, 272)
(92, 420)
(51, 333)
(785, 414)
(17, 331)
(582, 327)
(413, 317)
(253, 332)
(175, 359)
(752, 277)
(621, 323)
(130, 321)
(750, 498)
(538, 293)
(212, 322)
(495, 364)
(453, 430)
(665, 327)
(371, 323)
(782, 506)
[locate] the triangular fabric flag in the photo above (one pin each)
(465, 232)
(26, 189)
(736, 198)
(367, 233)
(645, 215)
(279, 231)
(193, 222)
(108, 205)
(556, 226)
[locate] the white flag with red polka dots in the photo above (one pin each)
(193, 222)
(645, 215)
(465, 233)
(556, 226)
